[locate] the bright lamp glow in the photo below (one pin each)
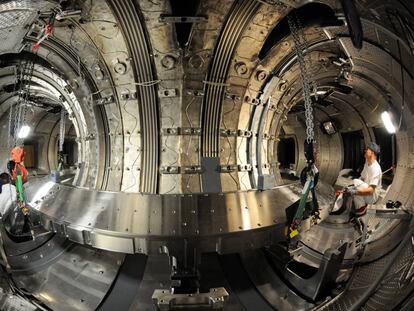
(24, 131)
(386, 119)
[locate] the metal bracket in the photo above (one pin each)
(68, 14)
(174, 131)
(233, 96)
(197, 93)
(228, 168)
(164, 300)
(191, 131)
(129, 95)
(228, 132)
(253, 101)
(163, 93)
(194, 169)
(182, 19)
(106, 100)
(244, 167)
(244, 133)
(170, 170)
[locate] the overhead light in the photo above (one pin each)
(388, 123)
(329, 127)
(24, 132)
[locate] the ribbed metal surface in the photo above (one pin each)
(134, 32)
(362, 278)
(390, 290)
(214, 90)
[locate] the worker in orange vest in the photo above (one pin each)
(16, 166)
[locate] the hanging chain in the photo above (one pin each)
(11, 133)
(309, 85)
(62, 129)
(18, 111)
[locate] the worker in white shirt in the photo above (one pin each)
(8, 196)
(365, 189)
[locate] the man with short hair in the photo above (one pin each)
(365, 190)
(8, 196)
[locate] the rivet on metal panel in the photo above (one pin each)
(99, 75)
(168, 62)
(195, 92)
(261, 75)
(162, 93)
(282, 86)
(241, 68)
(120, 68)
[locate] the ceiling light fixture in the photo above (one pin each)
(388, 122)
(24, 132)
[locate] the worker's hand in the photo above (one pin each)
(351, 190)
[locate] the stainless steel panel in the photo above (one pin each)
(108, 220)
(78, 280)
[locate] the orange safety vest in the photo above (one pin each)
(18, 155)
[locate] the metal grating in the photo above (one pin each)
(43, 5)
(390, 291)
(14, 17)
(362, 278)
(12, 29)
(10, 19)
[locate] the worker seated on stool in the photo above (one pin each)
(8, 197)
(364, 191)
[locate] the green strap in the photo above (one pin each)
(19, 188)
(301, 208)
(303, 199)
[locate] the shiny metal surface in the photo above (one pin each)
(327, 235)
(127, 76)
(123, 221)
(215, 299)
(78, 280)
